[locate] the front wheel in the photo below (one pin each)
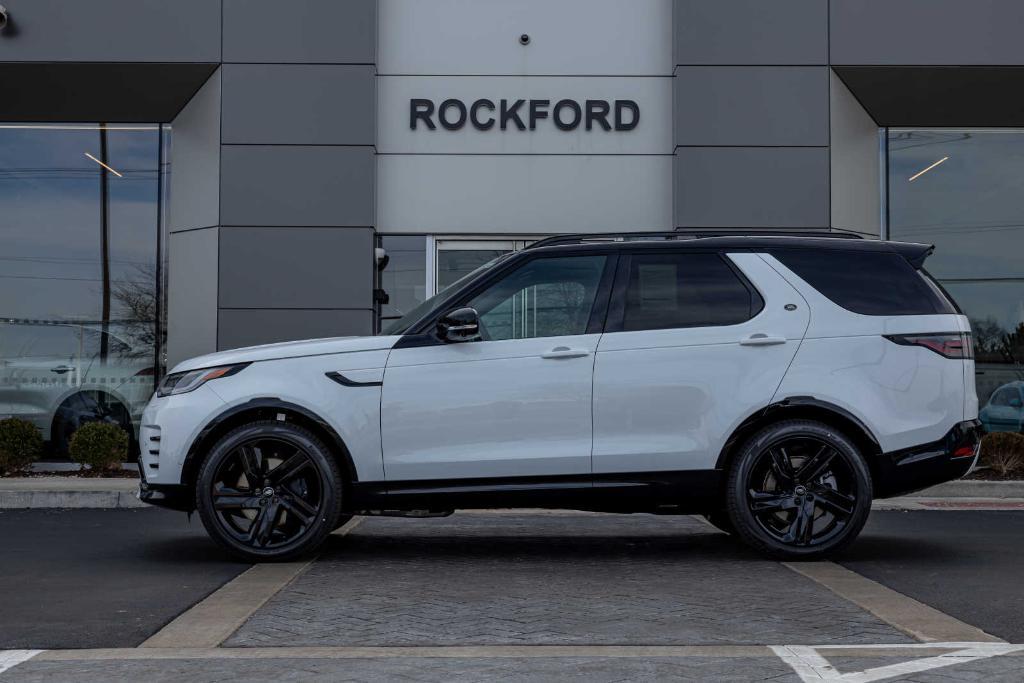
(269, 491)
(798, 490)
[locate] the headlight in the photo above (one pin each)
(190, 380)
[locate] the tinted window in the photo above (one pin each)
(545, 297)
(668, 290)
(871, 283)
(1005, 397)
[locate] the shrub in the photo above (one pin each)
(1003, 453)
(20, 445)
(100, 445)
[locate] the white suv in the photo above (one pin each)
(776, 384)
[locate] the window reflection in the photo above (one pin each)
(963, 190)
(79, 215)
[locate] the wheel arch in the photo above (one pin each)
(268, 408)
(810, 408)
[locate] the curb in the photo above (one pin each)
(69, 493)
(971, 488)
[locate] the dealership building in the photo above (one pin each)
(182, 177)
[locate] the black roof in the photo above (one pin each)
(738, 241)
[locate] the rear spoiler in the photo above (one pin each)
(914, 253)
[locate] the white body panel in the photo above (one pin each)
(488, 409)
(906, 395)
(668, 399)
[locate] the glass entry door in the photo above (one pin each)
(454, 258)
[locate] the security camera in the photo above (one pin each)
(3, 17)
(524, 39)
(382, 257)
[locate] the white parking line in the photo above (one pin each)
(809, 664)
(12, 658)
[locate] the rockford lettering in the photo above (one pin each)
(483, 114)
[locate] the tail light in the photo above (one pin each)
(946, 344)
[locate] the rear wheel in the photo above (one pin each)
(799, 490)
(269, 491)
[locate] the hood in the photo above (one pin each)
(292, 349)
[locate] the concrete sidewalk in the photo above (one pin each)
(114, 493)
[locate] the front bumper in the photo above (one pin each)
(171, 496)
(918, 467)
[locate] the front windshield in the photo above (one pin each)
(401, 325)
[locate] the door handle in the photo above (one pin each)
(565, 352)
(762, 339)
(61, 369)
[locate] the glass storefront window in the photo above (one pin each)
(80, 212)
(963, 190)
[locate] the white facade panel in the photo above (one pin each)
(652, 133)
(567, 37)
(523, 194)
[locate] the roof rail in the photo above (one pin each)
(684, 235)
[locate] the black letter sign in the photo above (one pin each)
(421, 109)
(633, 107)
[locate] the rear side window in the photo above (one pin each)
(672, 290)
(870, 283)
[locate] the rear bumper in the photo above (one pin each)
(918, 467)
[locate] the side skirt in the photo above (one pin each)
(683, 492)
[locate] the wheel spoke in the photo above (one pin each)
(802, 529)
(289, 468)
(264, 523)
(763, 501)
(251, 466)
(231, 499)
(782, 468)
(839, 504)
(815, 465)
(300, 508)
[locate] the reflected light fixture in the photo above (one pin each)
(104, 165)
(925, 170)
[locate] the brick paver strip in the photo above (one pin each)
(492, 579)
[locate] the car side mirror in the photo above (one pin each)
(460, 325)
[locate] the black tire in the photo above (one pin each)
(720, 520)
(798, 490)
(278, 516)
(85, 407)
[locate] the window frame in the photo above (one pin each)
(616, 318)
(423, 333)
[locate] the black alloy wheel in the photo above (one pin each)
(269, 491)
(799, 490)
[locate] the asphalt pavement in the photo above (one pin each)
(969, 565)
(101, 578)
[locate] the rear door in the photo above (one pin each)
(695, 342)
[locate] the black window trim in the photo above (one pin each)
(617, 307)
(423, 332)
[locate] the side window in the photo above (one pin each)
(869, 283)
(1003, 397)
(671, 290)
(545, 297)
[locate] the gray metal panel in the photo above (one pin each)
(296, 267)
(299, 104)
(751, 105)
(782, 187)
(932, 32)
(111, 31)
(751, 31)
(122, 92)
(300, 31)
(286, 185)
(191, 294)
(195, 164)
(248, 327)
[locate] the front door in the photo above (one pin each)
(516, 402)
